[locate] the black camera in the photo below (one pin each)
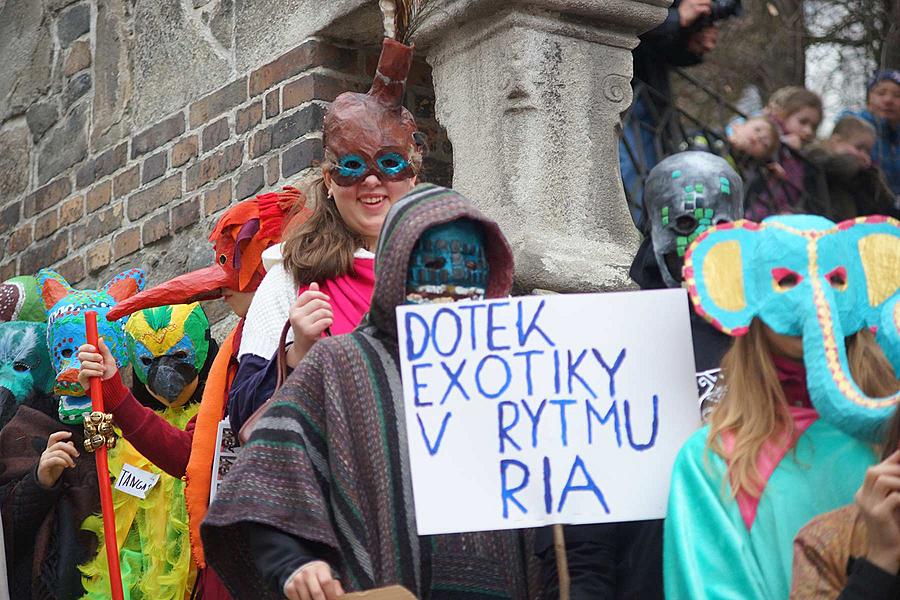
(721, 10)
(725, 9)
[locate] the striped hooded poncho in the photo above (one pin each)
(327, 462)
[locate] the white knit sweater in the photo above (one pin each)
(271, 305)
(268, 313)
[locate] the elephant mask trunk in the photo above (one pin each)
(888, 336)
(830, 382)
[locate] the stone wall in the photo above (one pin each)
(128, 126)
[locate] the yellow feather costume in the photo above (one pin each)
(152, 533)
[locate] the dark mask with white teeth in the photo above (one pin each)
(447, 264)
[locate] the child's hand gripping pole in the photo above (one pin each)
(99, 436)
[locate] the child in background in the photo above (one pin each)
(883, 112)
(796, 112)
(749, 147)
(747, 141)
(756, 138)
(855, 186)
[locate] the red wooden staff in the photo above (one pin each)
(106, 501)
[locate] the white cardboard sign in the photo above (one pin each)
(136, 482)
(534, 410)
(227, 448)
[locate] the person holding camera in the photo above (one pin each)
(689, 32)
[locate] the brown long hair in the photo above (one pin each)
(321, 247)
(754, 408)
(892, 439)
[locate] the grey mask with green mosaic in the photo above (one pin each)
(693, 194)
(685, 195)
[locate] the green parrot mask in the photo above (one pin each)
(167, 347)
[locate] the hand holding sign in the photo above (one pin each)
(554, 409)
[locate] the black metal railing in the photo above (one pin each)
(654, 127)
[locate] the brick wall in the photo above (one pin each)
(151, 198)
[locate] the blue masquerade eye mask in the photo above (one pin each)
(448, 263)
(387, 166)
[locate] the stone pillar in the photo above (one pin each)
(530, 97)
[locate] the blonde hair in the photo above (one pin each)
(787, 100)
(322, 247)
(754, 408)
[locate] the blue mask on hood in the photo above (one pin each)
(448, 263)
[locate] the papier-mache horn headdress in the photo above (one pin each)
(373, 132)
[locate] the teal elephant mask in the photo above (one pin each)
(888, 336)
(65, 330)
(25, 369)
(806, 276)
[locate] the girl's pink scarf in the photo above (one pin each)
(792, 376)
(350, 295)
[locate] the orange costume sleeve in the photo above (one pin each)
(203, 447)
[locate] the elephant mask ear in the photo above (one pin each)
(714, 270)
(877, 240)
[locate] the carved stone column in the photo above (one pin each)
(530, 94)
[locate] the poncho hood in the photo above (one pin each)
(425, 206)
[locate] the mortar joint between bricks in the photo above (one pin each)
(166, 147)
(365, 78)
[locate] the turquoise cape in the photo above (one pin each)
(709, 552)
